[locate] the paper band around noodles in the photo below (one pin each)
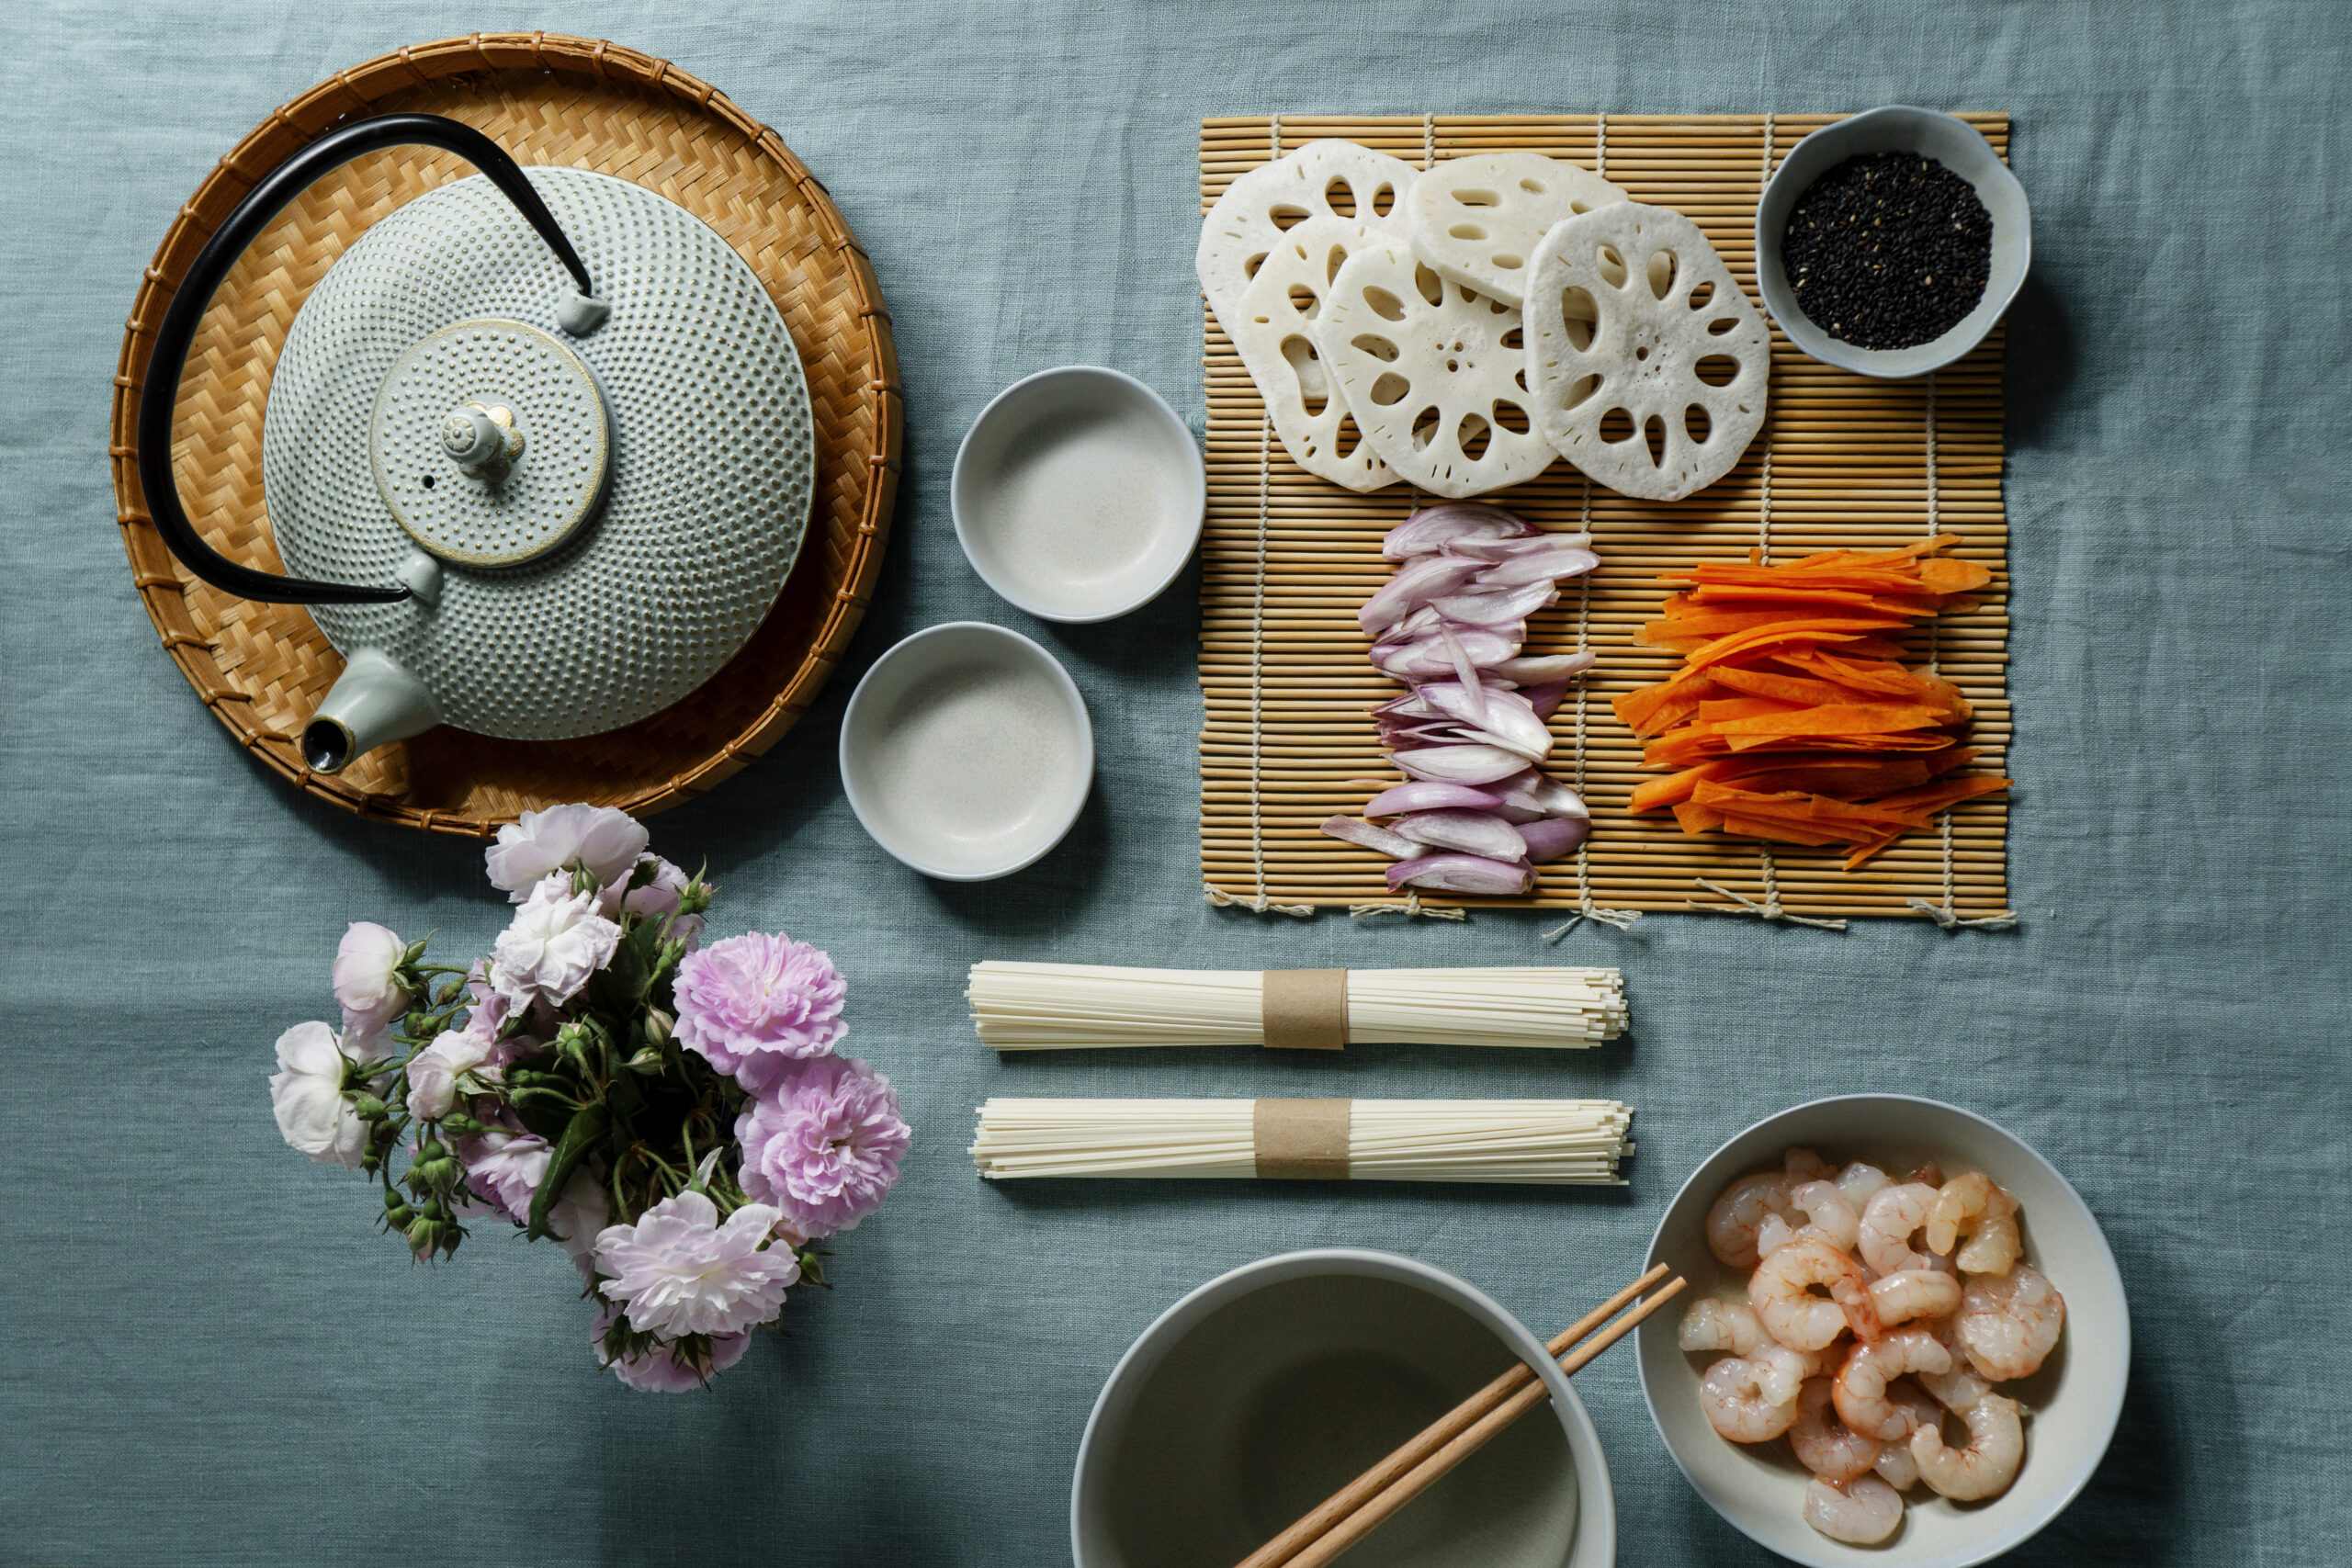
(1433, 373)
(1241, 229)
(1273, 330)
(1478, 219)
(1300, 1140)
(1303, 1010)
(1675, 346)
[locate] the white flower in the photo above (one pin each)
(580, 1214)
(432, 1072)
(307, 1099)
(679, 1272)
(556, 941)
(605, 840)
(365, 962)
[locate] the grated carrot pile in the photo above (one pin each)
(1793, 717)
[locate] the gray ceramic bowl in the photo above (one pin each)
(1958, 146)
(1261, 1393)
(966, 751)
(2072, 1403)
(1078, 494)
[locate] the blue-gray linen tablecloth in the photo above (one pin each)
(210, 1357)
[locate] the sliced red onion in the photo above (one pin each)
(1424, 794)
(1539, 794)
(1552, 837)
(1426, 659)
(1414, 584)
(1515, 603)
(1412, 705)
(1511, 549)
(1549, 667)
(1395, 846)
(1470, 833)
(1545, 565)
(1459, 764)
(1508, 715)
(1429, 529)
(1461, 874)
(1544, 701)
(1472, 689)
(1424, 732)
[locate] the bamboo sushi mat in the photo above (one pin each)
(1842, 461)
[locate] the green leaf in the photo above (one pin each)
(582, 1133)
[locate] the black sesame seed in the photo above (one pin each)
(1863, 231)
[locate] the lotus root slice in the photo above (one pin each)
(1647, 363)
(1330, 178)
(1478, 219)
(1434, 372)
(1274, 333)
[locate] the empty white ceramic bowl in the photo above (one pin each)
(966, 751)
(1958, 146)
(2072, 1403)
(1077, 493)
(1261, 1393)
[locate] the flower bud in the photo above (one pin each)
(367, 1108)
(646, 1061)
(658, 1026)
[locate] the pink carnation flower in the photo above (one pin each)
(505, 1165)
(752, 1004)
(679, 1270)
(824, 1145)
(659, 1371)
(655, 899)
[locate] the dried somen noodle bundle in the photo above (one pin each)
(1511, 1140)
(1044, 1007)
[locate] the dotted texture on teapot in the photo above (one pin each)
(712, 455)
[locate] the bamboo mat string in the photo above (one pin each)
(1586, 908)
(1945, 915)
(1218, 899)
(1772, 908)
(1428, 142)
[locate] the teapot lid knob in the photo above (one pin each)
(478, 437)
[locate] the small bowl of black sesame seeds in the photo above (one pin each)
(1889, 242)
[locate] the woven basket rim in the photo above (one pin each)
(353, 92)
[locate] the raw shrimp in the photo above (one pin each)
(1713, 1324)
(1861, 1390)
(1802, 1165)
(1782, 1371)
(1863, 1512)
(1745, 1205)
(1889, 1219)
(1986, 1466)
(1735, 1404)
(1957, 1389)
(1918, 1409)
(1969, 1203)
(1824, 1444)
(1830, 1218)
(1928, 1175)
(1897, 1468)
(1914, 1292)
(1780, 1291)
(2007, 1324)
(1860, 1183)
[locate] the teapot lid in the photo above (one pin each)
(597, 511)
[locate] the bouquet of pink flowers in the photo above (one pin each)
(676, 1116)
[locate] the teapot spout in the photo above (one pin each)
(374, 702)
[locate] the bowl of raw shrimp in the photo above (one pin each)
(1907, 1341)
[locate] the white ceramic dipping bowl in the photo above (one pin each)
(1958, 146)
(2072, 1403)
(1078, 494)
(966, 751)
(1261, 1393)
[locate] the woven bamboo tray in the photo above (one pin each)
(546, 99)
(1842, 460)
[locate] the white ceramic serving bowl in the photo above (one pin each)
(2072, 1403)
(1265, 1391)
(1077, 493)
(1958, 146)
(966, 751)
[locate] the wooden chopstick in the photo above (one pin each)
(1354, 1511)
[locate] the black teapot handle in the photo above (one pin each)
(177, 332)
